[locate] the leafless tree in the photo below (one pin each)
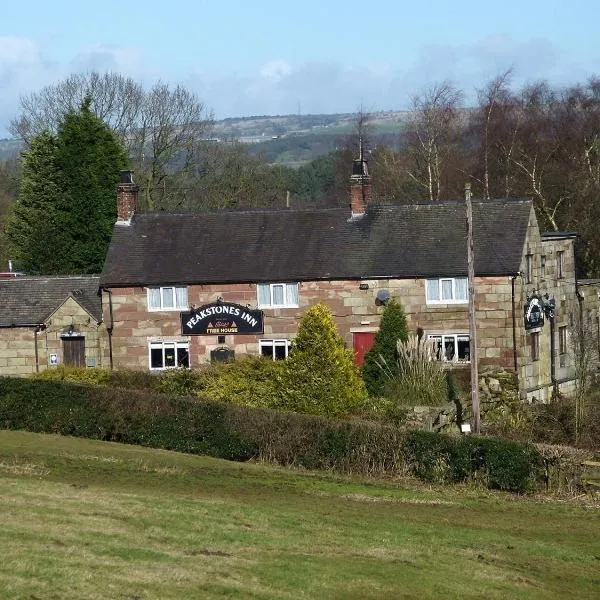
(160, 127)
(433, 135)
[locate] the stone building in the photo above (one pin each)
(48, 321)
(166, 272)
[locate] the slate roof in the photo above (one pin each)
(31, 300)
(400, 241)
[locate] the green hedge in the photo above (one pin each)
(497, 463)
(241, 433)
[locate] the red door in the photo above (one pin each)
(362, 341)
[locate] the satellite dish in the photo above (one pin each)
(382, 296)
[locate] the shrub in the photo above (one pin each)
(251, 381)
(96, 376)
(320, 376)
(496, 463)
(391, 329)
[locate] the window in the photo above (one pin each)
(451, 347)
(167, 298)
(275, 295)
(529, 267)
(560, 264)
(562, 340)
(274, 349)
(447, 290)
(168, 355)
(535, 346)
(543, 266)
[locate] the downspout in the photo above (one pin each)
(514, 321)
(35, 342)
(553, 358)
(110, 328)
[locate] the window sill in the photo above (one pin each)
(448, 303)
(167, 310)
(278, 306)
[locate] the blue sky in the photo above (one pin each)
(266, 57)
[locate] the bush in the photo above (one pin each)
(498, 464)
(320, 376)
(237, 432)
(251, 381)
(96, 376)
(391, 329)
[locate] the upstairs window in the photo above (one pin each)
(529, 267)
(447, 290)
(560, 264)
(167, 298)
(277, 295)
(543, 267)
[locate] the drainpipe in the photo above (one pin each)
(553, 358)
(35, 342)
(514, 321)
(110, 328)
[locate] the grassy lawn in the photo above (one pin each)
(84, 519)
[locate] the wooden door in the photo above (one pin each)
(74, 351)
(362, 342)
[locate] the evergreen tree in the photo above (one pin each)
(66, 208)
(320, 376)
(90, 157)
(391, 329)
(33, 228)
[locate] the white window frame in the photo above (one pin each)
(163, 345)
(176, 290)
(279, 342)
(446, 337)
(290, 300)
(439, 281)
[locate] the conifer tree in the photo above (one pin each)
(320, 376)
(33, 228)
(66, 207)
(391, 329)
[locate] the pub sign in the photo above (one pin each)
(222, 318)
(534, 313)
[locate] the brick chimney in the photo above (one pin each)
(127, 197)
(360, 186)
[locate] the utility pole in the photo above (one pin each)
(472, 316)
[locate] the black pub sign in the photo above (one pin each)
(222, 318)
(534, 313)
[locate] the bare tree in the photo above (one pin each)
(114, 98)
(433, 135)
(172, 123)
(161, 128)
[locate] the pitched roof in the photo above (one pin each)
(400, 241)
(31, 300)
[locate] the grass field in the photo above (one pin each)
(83, 519)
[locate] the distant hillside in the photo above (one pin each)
(287, 139)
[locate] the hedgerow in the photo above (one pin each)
(238, 432)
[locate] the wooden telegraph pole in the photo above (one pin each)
(472, 316)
